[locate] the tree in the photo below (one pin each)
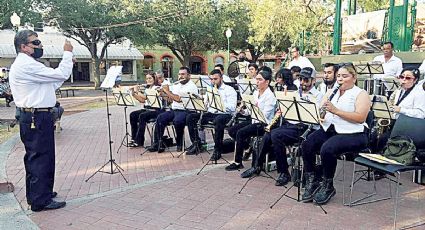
(24, 8)
(91, 24)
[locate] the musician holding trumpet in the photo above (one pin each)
(276, 140)
(242, 132)
(219, 118)
(343, 129)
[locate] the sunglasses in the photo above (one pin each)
(35, 42)
(407, 78)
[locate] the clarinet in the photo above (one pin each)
(322, 110)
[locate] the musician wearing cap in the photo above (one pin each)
(177, 114)
(329, 77)
(242, 132)
(33, 86)
(139, 118)
(407, 100)
(276, 140)
(342, 130)
(219, 118)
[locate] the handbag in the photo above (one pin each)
(401, 149)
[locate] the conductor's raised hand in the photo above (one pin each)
(68, 46)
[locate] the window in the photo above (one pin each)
(148, 61)
(127, 67)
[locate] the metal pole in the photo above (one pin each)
(390, 20)
(228, 52)
(349, 7)
(337, 29)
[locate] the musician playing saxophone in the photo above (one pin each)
(242, 132)
(275, 142)
(343, 129)
(219, 118)
(407, 100)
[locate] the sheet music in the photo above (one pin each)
(123, 98)
(246, 86)
(110, 77)
(253, 109)
(380, 107)
(214, 99)
(153, 98)
(296, 108)
(194, 102)
(201, 81)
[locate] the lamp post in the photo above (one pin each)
(228, 35)
(16, 21)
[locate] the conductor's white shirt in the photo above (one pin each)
(33, 84)
(392, 68)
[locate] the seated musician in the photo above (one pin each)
(295, 70)
(329, 77)
(252, 70)
(221, 68)
(139, 118)
(242, 132)
(219, 118)
(343, 129)
(284, 78)
(287, 134)
(407, 100)
(177, 114)
(392, 65)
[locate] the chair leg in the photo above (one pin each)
(343, 179)
(352, 183)
(396, 199)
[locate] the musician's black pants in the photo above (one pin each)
(178, 117)
(276, 141)
(219, 121)
(144, 117)
(330, 145)
(39, 159)
(134, 119)
(242, 134)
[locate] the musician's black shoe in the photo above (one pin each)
(326, 191)
(179, 148)
(193, 150)
(250, 172)
(161, 149)
(52, 205)
(246, 154)
(54, 194)
(216, 155)
(283, 179)
(153, 148)
(234, 166)
(311, 187)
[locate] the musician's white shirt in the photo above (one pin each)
(228, 96)
(392, 68)
(301, 62)
(33, 84)
(266, 103)
(419, 85)
(413, 105)
(323, 88)
(182, 91)
(226, 78)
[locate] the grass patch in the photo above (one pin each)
(6, 133)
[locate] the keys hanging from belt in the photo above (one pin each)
(32, 121)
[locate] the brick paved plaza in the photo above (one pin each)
(165, 193)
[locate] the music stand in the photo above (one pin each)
(153, 99)
(202, 82)
(246, 86)
(257, 115)
(107, 83)
(305, 111)
(370, 69)
(380, 107)
(216, 102)
(124, 99)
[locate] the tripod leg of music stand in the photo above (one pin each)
(100, 169)
(246, 182)
(119, 169)
(203, 167)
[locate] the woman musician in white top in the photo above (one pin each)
(138, 118)
(407, 100)
(343, 129)
(242, 132)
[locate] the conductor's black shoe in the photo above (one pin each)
(54, 194)
(52, 205)
(283, 179)
(250, 172)
(216, 155)
(234, 166)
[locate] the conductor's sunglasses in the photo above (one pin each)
(35, 42)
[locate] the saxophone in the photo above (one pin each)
(276, 116)
(384, 123)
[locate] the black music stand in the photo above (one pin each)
(124, 99)
(246, 86)
(305, 111)
(215, 102)
(111, 161)
(257, 115)
(154, 100)
(370, 69)
(194, 103)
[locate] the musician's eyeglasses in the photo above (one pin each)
(35, 42)
(407, 78)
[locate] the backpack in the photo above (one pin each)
(401, 149)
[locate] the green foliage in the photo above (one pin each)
(373, 5)
(24, 8)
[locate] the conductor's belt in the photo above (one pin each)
(33, 110)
